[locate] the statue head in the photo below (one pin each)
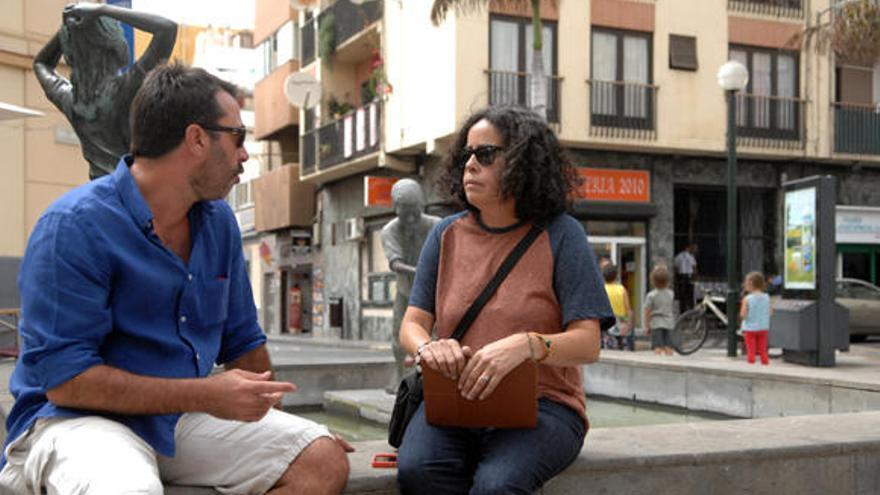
(94, 51)
(406, 196)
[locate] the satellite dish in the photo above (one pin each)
(302, 90)
(302, 4)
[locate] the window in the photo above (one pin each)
(682, 52)
(510, 61)
(280, 47)
(770, 105)
(621, 93)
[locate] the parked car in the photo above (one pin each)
(862, 299)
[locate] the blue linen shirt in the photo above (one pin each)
(98, 287)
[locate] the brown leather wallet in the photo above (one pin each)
(513, 404)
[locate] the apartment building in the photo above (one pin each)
(632, 95)
(41, 154)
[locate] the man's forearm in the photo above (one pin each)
(256, 360)
(109, 389)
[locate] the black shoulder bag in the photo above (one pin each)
(409, 392)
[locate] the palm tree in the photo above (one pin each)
(537, 77)
(852, 30)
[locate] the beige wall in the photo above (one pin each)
(36, 169)
(445, 70)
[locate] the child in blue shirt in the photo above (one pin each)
(755, 315)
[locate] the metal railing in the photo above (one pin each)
(350, 19)
(308, 41)
(779, 8)
(351, 136)
(856, 128)
(770, 121)
(623, 109)
(510, 87)
(9, 332)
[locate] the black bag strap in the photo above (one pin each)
(505, 268)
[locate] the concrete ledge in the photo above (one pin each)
(801, 455)
(732, 387)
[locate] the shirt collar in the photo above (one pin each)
(134, 201)
(131, 196)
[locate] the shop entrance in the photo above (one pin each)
(859, 261)
(628, 253)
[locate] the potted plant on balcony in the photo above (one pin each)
(338, 109)
(376, 85)
(852, 30)
(326, 35)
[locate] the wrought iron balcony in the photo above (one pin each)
(770, 121)
(508, 87)
(308, 41)
(350, 137)
(856, 128)
(778, 8)
(623, 109)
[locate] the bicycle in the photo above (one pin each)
(693, 326)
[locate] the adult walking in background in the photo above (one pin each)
(132, 288)
(508, 171)
(685, 274)
(97, 97)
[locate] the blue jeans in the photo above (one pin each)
(445, 460)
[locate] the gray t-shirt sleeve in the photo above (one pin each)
(390, 243)
(576, 280)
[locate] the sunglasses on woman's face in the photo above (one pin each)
(485, 153)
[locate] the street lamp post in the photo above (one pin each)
(732, 77)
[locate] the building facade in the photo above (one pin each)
(632, 94)
(41, 154)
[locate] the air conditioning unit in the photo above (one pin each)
(354, 229)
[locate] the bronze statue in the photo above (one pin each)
(96, 98)
(402, 240)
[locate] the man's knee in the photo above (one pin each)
(323, 463)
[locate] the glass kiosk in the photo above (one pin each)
(807, 323)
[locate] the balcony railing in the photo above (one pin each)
(856, 128)
(350, 19)
(308, 41)
(770, 121)
(623, 109)
(779, 8)
(508, 87)
(354, 135)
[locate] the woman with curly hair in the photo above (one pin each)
(508, 172)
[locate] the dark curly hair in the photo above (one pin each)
(538, 173)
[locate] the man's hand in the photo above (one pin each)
(242, 395)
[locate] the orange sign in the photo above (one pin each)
(604, 184)
(377, 190)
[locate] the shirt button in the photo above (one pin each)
(198, 357)
(189, 277)
(183, 319)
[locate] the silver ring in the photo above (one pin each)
(485, 378)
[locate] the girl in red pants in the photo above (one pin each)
(755, 316)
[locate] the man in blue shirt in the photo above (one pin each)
(132, 287)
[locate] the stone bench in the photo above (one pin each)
(802, 455)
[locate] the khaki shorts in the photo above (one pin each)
(95, 455)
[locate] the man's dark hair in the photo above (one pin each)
(538, 175)
(171, 98)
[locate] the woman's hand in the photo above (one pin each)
(486, 369)
(446, 356)
(80, 13)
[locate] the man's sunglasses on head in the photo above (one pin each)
(485, 153)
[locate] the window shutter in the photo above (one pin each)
(682, 52)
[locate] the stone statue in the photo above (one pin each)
(97, 96)
(402, 240)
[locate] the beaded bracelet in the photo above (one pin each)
(547, 343)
